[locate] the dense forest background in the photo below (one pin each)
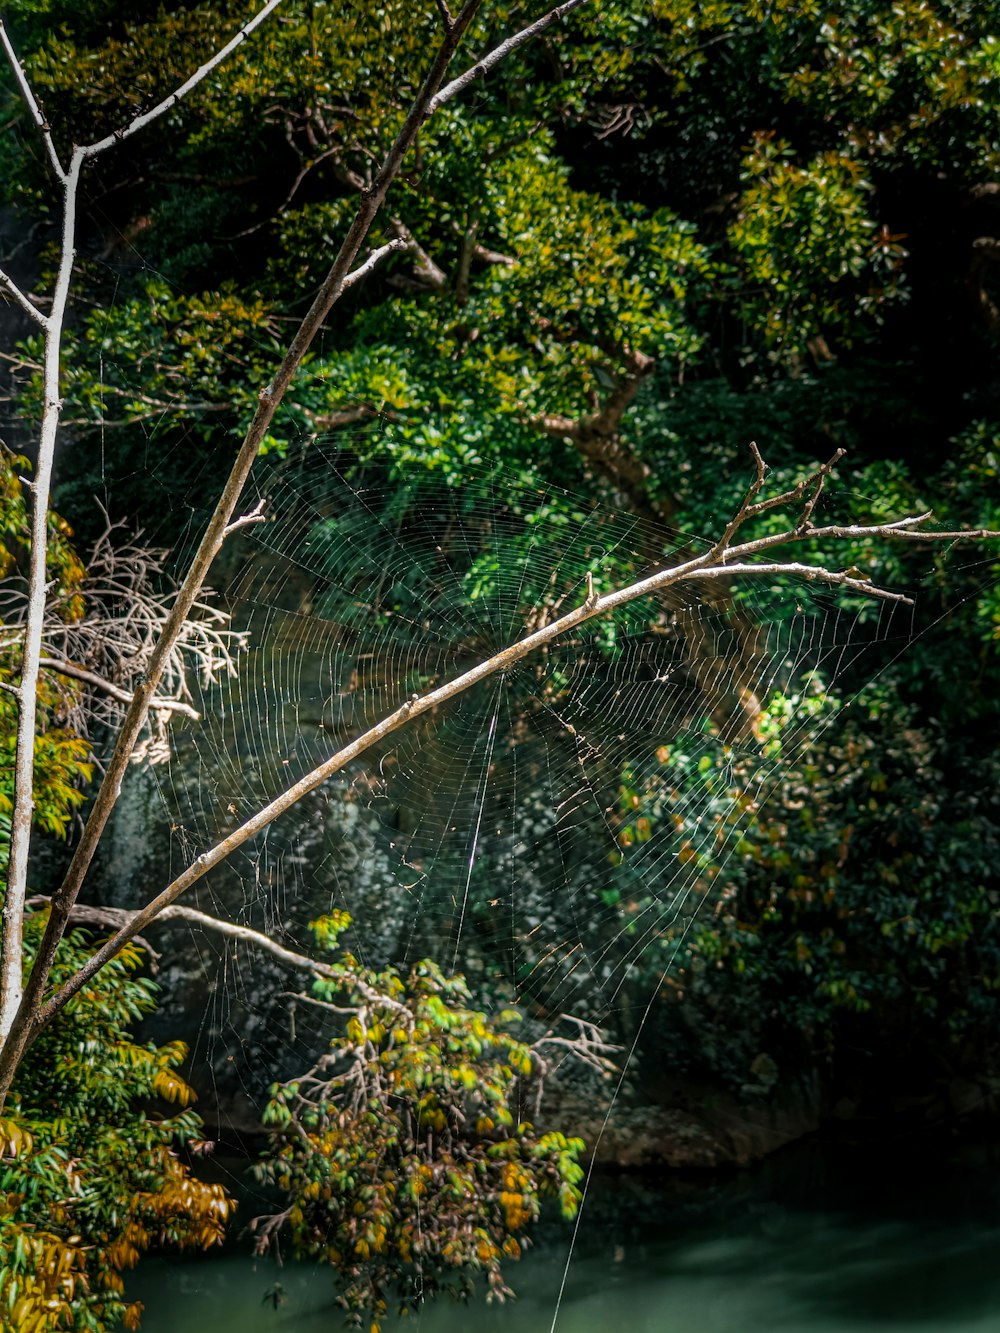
(664, 231)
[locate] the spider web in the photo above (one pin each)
(551, 831)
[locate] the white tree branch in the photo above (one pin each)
(12, 932)
(8, 285)
(256, 515)
(489, 61)
(168, 103)
(64, 668)
(374, 259)
(247, 935)
(24, 87)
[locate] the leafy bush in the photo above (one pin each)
(90, 1175)
(403, 1153)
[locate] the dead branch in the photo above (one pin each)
(374, 259)
(103, 918)
(493, 58)
(127, 596)
(427, 273)
(64, 668)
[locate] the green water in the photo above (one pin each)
(906, 1241)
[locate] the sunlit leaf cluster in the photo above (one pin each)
(90, 1170)
(405, 1154)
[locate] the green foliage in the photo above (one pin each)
(90, 1176)
(62, 759)
(855, 924)
(63, 565)
(815, 264)
(403, 1153)
(195, 357)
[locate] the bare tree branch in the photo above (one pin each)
(808, 574)
(24, 87)
(147, 117)
(103, 918)
(256, 515)
(11, 939)
(70, 669)
(247, 935)
(488, 62)
(8, 285)
(349, 416)
(374, 259)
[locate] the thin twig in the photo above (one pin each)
(805, 518)
(374, 259)
(256, 515)
(75, 672)
(739, 518)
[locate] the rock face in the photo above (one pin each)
(706, 1131)
(234, 1006)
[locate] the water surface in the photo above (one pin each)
(817, 1241)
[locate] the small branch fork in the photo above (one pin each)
(64, 668)
(489, 62)
(248, 520)
(724, 560)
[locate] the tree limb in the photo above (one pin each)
(374, 259)
(488, 62)
(12, 936)
(597, 437)
(64, 668)
(720, 561)
(147, 117)
(428, 273)
(8, 285)
(24, 87)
